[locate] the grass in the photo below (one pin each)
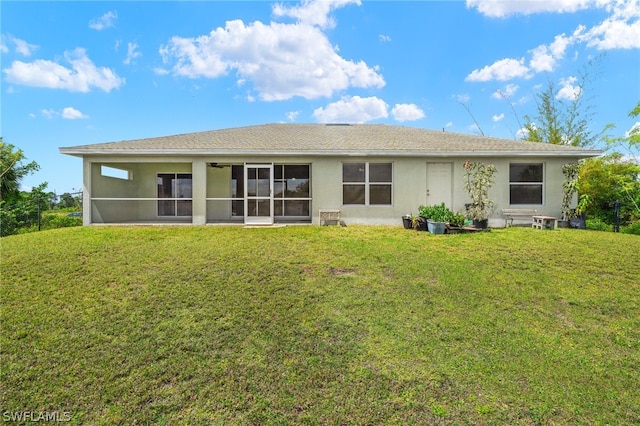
(321, 325)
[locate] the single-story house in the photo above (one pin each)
(288, 173)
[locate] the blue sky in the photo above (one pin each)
(75, 73)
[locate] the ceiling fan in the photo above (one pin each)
(218, 166)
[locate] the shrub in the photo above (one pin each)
(8, 222)
(437, 212)
(54, 221)
(634, 228)
(457, 220)
(598, 225)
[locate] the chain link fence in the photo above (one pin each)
(39, 212)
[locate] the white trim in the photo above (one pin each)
(367, 184)
(542, 184)
(132, 153)
(258, 220)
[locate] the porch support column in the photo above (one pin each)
(86, 191)
(199, 192)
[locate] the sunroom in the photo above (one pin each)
(199, 192)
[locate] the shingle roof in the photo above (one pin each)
(328, 139)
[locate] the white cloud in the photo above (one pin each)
(281, 60)
(132, 53)
(474, 128)
(21, 46)
(634, 130)
(68, 113)
(105, 21)
(407, 112)
(48, 113)
(506, 93)
(502, 70)
(568, 89)
(497, 117)
(292, 115)
(384, 38)
(313, 12)
(81, 77)
(503, 8)
(545, 57)
(352, 110)
(463, 98)
(621, 30)
(523, 132)
(24, 48)
(71, 113)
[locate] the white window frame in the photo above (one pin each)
(367, 183)
(541, 184)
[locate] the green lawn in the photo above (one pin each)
(321, 325)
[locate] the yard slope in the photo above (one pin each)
(321, 325)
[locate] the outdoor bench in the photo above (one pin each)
(510, 214)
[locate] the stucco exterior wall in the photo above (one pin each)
(409, 189)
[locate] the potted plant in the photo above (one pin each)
(437, 217)
(569, 188)
(578, 220)
(478, 180)
(457, 221)
(418, 223)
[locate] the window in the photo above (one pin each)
(114, 172)
(237, 190)
(525, 183)
(366, 183)
(291, 195)
(176, 188)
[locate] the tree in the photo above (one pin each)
(607, 179)
(630, 143)
(634, 133)
(12, 170)
(67, 201)
(564, 120)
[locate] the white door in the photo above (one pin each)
(439, 184)
(258, 197)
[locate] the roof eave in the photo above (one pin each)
(328, 153)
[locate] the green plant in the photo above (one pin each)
(437, 212)
(457, 220)
(598, 225)
(56, 220)
(415, 221)
(583, 203)
(634, 229)
(569, 188)
(478, 180)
